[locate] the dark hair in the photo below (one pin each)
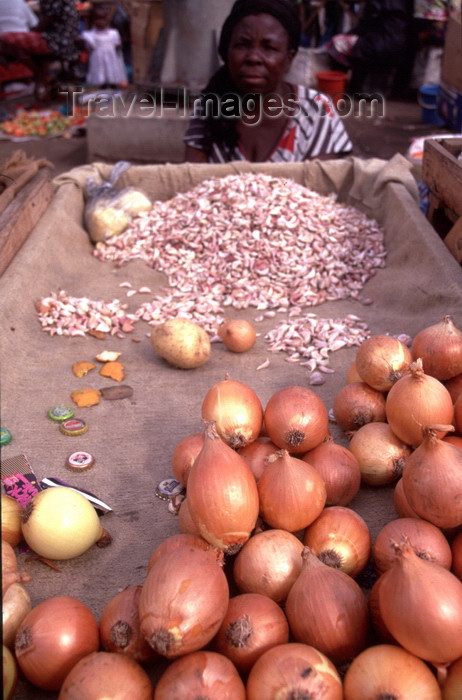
(223, 129)
(283, 10)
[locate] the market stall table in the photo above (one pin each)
(132, 439)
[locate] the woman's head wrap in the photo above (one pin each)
(283, 10)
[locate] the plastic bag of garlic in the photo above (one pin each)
(415, 282)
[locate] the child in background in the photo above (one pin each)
(105, 63)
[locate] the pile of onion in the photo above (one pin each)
(296, 419)
(380, 453)
(356, 404)
(339, 470)
(440, 348)
(200, 674)
(381, 360)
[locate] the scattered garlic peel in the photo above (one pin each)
(85, 397)
(82, 368)
(113, 370)
(108, 356)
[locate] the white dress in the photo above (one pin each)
(105, 62)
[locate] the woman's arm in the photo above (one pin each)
(194, 155)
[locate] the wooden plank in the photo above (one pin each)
(442, 173)
(21, 215)
(453, 240)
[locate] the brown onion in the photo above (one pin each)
(200, 675)
(252, 624)
(340, 538)
(238, 335)
(352, 374)
(458, 415)
(454, 386)
(236, 410)
(16, 603)
(452, 686)
(456, 549)
(11, 511)
(296, 419)
(327, 609)
(177, 542)
(402, 507)
(291, 492)
(440, 348)
(339, 470)
(10, 573)
(454, 440)
(432, 480)
(421, 605)
(183, 601)
(294, 671)
(415, 401)
(387, 671)
(256, 454)
(269, 563)
(381, 360)
(222, 494)
(119, 626)
(380, 453)
(186, 524)
(104, 674)
(184, 456)
(356, 404)
(427, 541)
(52, 638)
(378, 625)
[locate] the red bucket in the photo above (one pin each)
(332, 83)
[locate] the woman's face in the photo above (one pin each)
(259, 55)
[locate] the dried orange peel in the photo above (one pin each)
(113, 370)
(85, 397)
(82, 368)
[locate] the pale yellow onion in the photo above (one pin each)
(11, 511)
(340, 538)
(440, 347)
(380, 453)
(381, 360)
(60, 523)
(16, 603)
(10, 673)
(269, 563)
(416, 401)
(387, 671)
(427, 541)
(421, 606)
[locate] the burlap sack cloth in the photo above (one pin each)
(133, 439)
(15, 172)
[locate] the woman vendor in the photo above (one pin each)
(248, 110)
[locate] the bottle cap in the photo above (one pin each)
(60, 413)
(80, 460)
(168, 489)
(5, 436)
(73, 426)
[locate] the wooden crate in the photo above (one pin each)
(442, 173)
(21, 215)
